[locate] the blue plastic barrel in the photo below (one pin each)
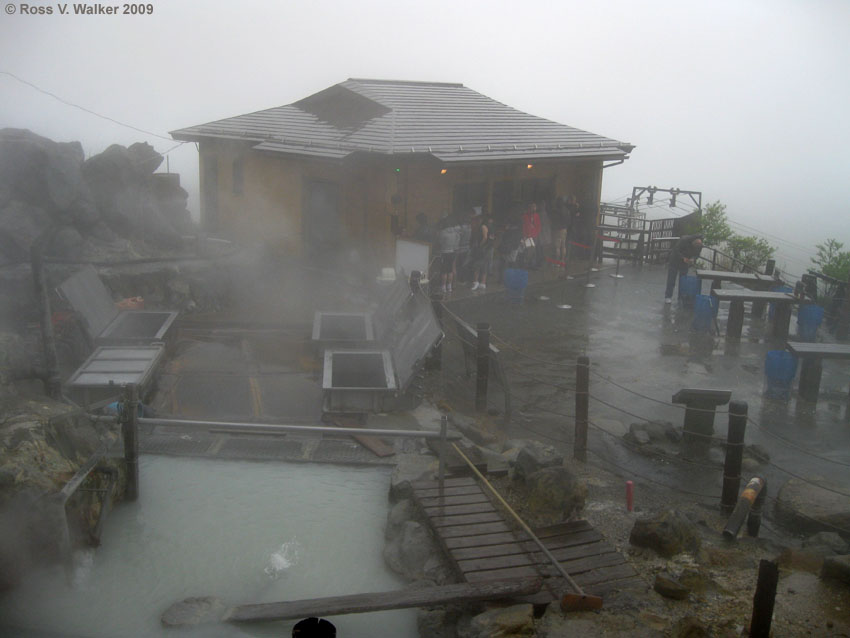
(809, 318)
(771, 305)
(689, 288)
(705, 310)
(780, 366)
(516, 281)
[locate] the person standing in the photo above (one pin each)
(530, 234)
(448, 239)
(559, 230)
(482, 252)
(682, 257)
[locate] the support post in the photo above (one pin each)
(582, 403)
(435, 360)
(483, 366)
(130, 433)
(415, 278)
(734, 456)
(53, 383)
(764, 599)
(441, 474)
(769, 266)
(842, 326)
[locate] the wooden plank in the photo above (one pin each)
(498, 549)
(448, 491)
(512, 572)
(372, 443)
(825, 350)
(587, 579)
(480, 540)
(465, 519)
(454, 499)
(568, 540)
(449, 482)
(580, 551)
(464, 508)
(377, 601)
(495, 562)
(472, 530)
(580, 566)
(567, 527)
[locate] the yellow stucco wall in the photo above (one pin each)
(269, 208)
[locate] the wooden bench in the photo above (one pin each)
(813, 355)
(735, 323)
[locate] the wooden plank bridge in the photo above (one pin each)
(482, 546)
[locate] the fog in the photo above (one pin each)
(745, 101)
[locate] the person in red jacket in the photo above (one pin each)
(531, 235)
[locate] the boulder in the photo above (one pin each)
(20, 225)
(437, 623)
(398, 515)
(534, 456)
(409, 469)
(690, 627)
(670, 587)
(837, 568)
(807, 507)
(555, 490)
(501, 622)
(408, 553)
(669, 533)
(826, 543)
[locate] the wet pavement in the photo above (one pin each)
(643, 351)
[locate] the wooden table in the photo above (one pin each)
(812, 355)
(735, 324)
(753, 281)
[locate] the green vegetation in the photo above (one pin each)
(746, 252)
(831, 260)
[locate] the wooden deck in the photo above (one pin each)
(482, 546)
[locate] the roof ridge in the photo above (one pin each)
(406, 82)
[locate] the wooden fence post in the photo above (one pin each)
(582, 404)
(734, 456)
(483, 366)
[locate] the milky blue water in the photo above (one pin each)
(244, 532)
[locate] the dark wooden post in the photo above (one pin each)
(735, 321)
(582, 404)
(130, 432)
(734, 456)
(843, 325)
(483, 366)
(764, 599)
(53, 383)
(441, 475)
(769, 266)
(435, 360)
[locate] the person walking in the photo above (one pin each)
(682, 257)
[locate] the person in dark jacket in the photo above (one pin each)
(682, 257)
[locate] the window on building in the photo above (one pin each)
(238, 176)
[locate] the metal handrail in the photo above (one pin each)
(319, 429)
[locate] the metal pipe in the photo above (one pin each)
(752, 493)
(320, 429)
(130, 432)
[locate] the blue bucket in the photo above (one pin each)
(809, 318)
(516, 281)
(689, 287)
(771, 307)
(780, 366)
(705, 310)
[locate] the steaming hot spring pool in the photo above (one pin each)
(241, 531)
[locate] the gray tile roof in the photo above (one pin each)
(448, 121)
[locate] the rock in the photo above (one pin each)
(555, 490)
(830, 542)
(408, 553)
(66, 243)
(534, 456)
(501, 622)
(398, 515)
(690, 627)
(808, 507)
(669, 533)
(837, 568)
(437, 623)
(20, 225)
(478, 431)
(670, 587)
(641, 437)
(410, 468)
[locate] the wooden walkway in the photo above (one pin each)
(482, 546)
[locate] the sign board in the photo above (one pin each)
(412, 255)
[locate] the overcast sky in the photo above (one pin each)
(746, 101)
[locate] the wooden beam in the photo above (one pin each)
(380, 601)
